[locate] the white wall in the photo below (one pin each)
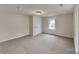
(31, 25)
(37, 25)
(13, 26)
(64, 25)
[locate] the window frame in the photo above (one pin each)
(50, 24)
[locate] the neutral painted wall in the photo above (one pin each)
(13, 26)
(37, 25)
(64, 25)
(31, 25)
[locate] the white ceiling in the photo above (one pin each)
(28, 9)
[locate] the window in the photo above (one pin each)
(51, 24)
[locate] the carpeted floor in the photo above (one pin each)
(40, 44)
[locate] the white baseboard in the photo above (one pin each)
(14, 38)
(58, 35)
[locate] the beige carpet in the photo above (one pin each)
(40, 44)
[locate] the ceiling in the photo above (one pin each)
(28, 9)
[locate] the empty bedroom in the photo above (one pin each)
(37, 29)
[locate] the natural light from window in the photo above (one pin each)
(51, 24)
